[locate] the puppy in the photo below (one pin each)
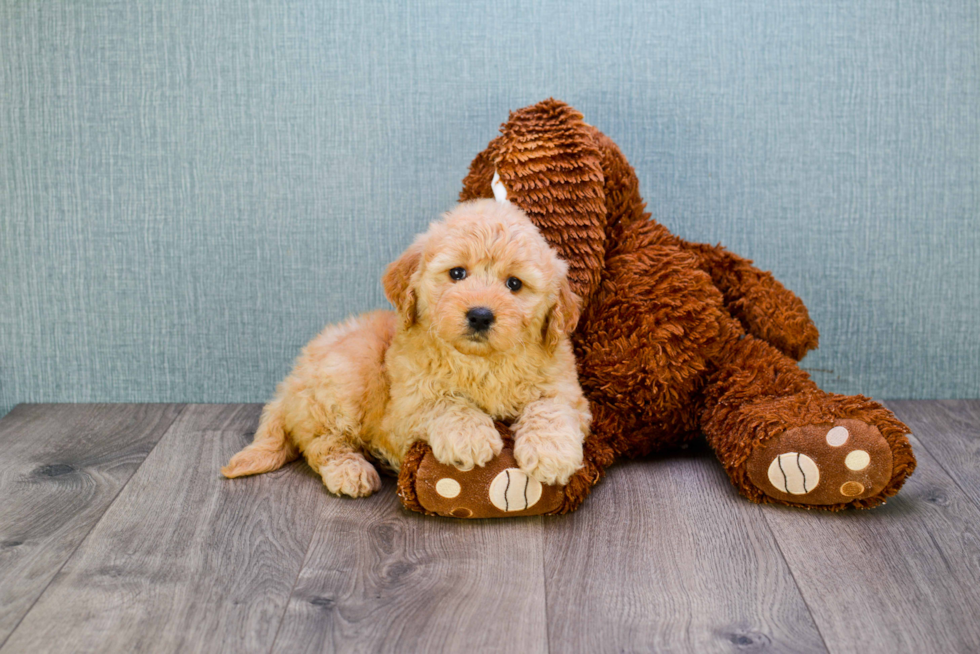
(484, 310)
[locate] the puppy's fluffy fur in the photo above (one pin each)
(378, 382)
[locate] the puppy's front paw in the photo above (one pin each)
(466, 446)
(551, 457)
(351, 475)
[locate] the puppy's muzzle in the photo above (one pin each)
(480, 319)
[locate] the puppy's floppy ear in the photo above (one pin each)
(563, 317)
(399, 283)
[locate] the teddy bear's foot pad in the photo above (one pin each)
(499, 489)
(823, 464)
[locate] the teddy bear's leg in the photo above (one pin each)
(782, 439)
(497, 490)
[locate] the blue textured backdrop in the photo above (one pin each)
(189, 190)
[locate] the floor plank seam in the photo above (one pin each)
(792, 576)
(91, 529)
(544, 581)
(292, 589)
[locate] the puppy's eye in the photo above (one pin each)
(514, 284)
(457, 274)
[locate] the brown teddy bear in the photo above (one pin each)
(675, 340)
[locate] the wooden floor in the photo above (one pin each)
(118, 535)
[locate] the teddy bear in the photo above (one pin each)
(677, 341)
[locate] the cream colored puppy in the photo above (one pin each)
(484, 310)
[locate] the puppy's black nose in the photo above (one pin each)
(479, 318)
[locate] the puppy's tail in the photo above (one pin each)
(270, 450)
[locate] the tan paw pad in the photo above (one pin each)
(857, 460)
(514, 490)
(794, 473)
(837, 436)
(448, 488)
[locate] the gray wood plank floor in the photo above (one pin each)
(669, 558)
(382, 579)
(118, 535)
(61, 466)
(950, 431)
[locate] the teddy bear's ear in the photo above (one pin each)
(562, 318)
(548, 161)
(399, 280)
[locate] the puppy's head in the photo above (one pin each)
(483, 279)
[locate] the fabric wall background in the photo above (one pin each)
(190, 190)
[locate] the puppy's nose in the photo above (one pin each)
(480, 318)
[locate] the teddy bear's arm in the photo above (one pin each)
(766, 308)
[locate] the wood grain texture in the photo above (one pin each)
(904, 577)
(665, 557)
(950, 431)
(382, 579)
(62, 467)
(184, 560)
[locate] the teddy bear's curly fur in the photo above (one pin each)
(680, 339)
